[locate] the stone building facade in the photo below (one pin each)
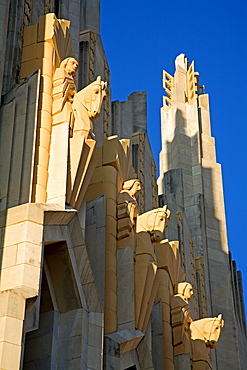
(94, 273)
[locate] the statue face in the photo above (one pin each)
(188, 291)
(135, 190)
(72, 66)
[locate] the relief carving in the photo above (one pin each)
(180, 313)
(76, 108)
(196, 337)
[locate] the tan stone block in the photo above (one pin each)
(141, 272)
(44, 156)
(178, 335)
(45, 101)
(201, 365)
(168, 364)
(94, 191)
(168, 349)
(168, 258)
(167, 331)
(98, 156)
(122, 210)
(143, 245)
(147, 294)
(124, 226)
(10, 355)
(30, 52)
(40, 194)
(163, 294)
(111, 243)
(110, 262)
(12, 304)
(111, 207)
(110, 150)
(22, 232)
(9, 256)
(46, 67)
(44, 138)
(105, 173)
(46, 84)
(203, 101)
(166, 312)
(46, 27)
(39, 50)
(111, 225)
(110, 299)
(23, 277)
(126, 242)
(150, 305)
(185, 347)
(46, 50)
(45, 119)
(11, 330)
(30, 35)
(29, 67)
(163, 277)
(129, 345)
(111, 280)
(200, 351)
(110, 321)
(25, 212)
(29, 253)
(110, 190)
(42, 176)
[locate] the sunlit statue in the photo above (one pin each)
(128, 209)
(207, 330)
(77, 108)
(180, 313)
(196, 336)
(86, 107)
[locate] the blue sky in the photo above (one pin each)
(143, 38)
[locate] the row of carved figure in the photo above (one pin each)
(145, 231)
(142, 231)
(77, 108)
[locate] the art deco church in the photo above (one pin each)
(102, 267)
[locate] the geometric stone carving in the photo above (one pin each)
(168, 87)
(72, 137)
(204, 336)
(208, 330)
(128, 208)
(181, 317)
(149, 231)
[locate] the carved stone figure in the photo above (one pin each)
(208, 330)
(86, 107)
(72, 139)
(149, 232)
(64, 90)
(205, 334)
(181, 316)
(193, 336)
(154, 222)
(127, 202)
(77, 108)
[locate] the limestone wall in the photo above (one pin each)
(188, 147)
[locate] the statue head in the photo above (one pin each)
(185, 289)
(154, 222)
(93, 96)
(70, 64)
(133, 187)
(208, 330)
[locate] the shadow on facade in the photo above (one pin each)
(194, 195)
